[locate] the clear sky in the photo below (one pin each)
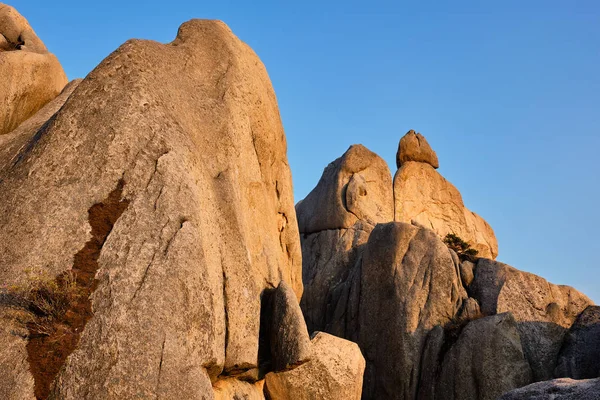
(506, 92)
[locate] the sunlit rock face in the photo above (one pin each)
(430, 323)
(422, 195)
(163, 184)
(31, 76)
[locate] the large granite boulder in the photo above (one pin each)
(31, 76)
(149, 185)
(409, 284)
(580, 354)
(334, 373)
(557, 389)
(485, 362)
(289, 339)
(356, 186)
(424, 196)
(543, 311)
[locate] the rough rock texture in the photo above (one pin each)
(20, 136)
(580, 355)
(414, 147)
(557, 389)
(233, 389)
(16, 382)
(409, 284)
(356, 186)
(331, 276)
(423, 195)
(486, 361)
(543, 311)
(334, 373)
(290, 343)
(31, 76)
(187, 136)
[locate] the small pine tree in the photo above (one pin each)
(462, 248)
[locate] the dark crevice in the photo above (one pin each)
(48, 351)
(264, 334)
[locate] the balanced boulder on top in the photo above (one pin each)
(414, 147)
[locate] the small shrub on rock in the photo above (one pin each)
(462, 248)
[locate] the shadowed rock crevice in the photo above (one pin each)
(48, 352)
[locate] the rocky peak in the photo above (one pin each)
(414, 147)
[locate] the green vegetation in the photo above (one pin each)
(462, 248)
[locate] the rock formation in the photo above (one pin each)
(150, 190)
(414, 147)
(335, 372)
(31, 76)
(486, 361)
(149, 248)
(356, 186)
(430, 324)
(563, 389)
(422, 195)
(580, 354)
(543, 311)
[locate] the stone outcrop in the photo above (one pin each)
(356, 186)
(414, 147)
(335, 219)
(150, 185)
(331, 260)
(335, 372)
(31, 76)
(228, 389)
(290, 343)
(424, 196)
(418, 312)
(543, 311)
(485, 362)
(580, 354)
(563, 389)
(409, 284)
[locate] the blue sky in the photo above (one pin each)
(507, 93)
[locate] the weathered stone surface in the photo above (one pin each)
(486, 361)
(563, 389)
(16, 33)
(543, 311)
(290, 343)
(470, 310)
(466, 272)
(188, 137)
(423, 195)
(356, 186)
(20, 136)
(16, 382)
(331, 265)
(409, 284)
(335, 372)
(233, 389)
(414, 147)
(31, 76)
(580, 354)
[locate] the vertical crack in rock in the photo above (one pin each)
(225, 313)
(264, 334)
(47, 351)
